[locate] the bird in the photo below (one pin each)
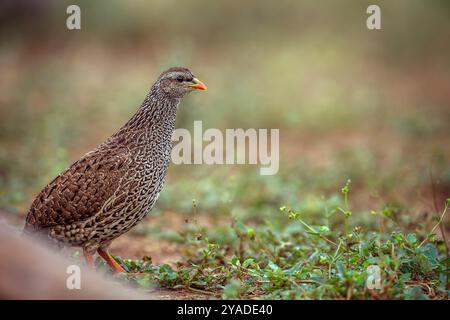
(110, 189)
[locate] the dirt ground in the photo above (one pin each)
(133, 245)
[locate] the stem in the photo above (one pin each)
(441, 227)
(316, 233)
(436, 225)
(346, 200)
(202, 291)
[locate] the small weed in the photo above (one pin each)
(292, 258)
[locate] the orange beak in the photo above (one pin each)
(198, 85)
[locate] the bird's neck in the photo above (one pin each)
(154, 119)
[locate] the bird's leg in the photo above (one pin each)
(89, 259)
(110, 260)
(117, 267)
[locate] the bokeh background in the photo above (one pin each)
(350, 103)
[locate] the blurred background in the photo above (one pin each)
(350, 103)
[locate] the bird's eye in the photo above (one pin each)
(180, 79)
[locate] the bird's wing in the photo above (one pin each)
(80, 191)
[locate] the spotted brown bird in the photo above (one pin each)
(111, 188)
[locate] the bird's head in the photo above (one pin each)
(177, 82)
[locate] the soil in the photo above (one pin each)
(133, 245)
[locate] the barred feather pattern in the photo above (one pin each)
(110, 189)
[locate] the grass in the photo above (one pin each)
(292, 256)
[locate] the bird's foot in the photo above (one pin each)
(110, 261)
(116, 266)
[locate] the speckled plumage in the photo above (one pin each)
(110, 189)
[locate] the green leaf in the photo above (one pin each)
(232, 290)
(248, 262)
(431, 254)
(250, 233)
(415, 293)
(411, 237)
